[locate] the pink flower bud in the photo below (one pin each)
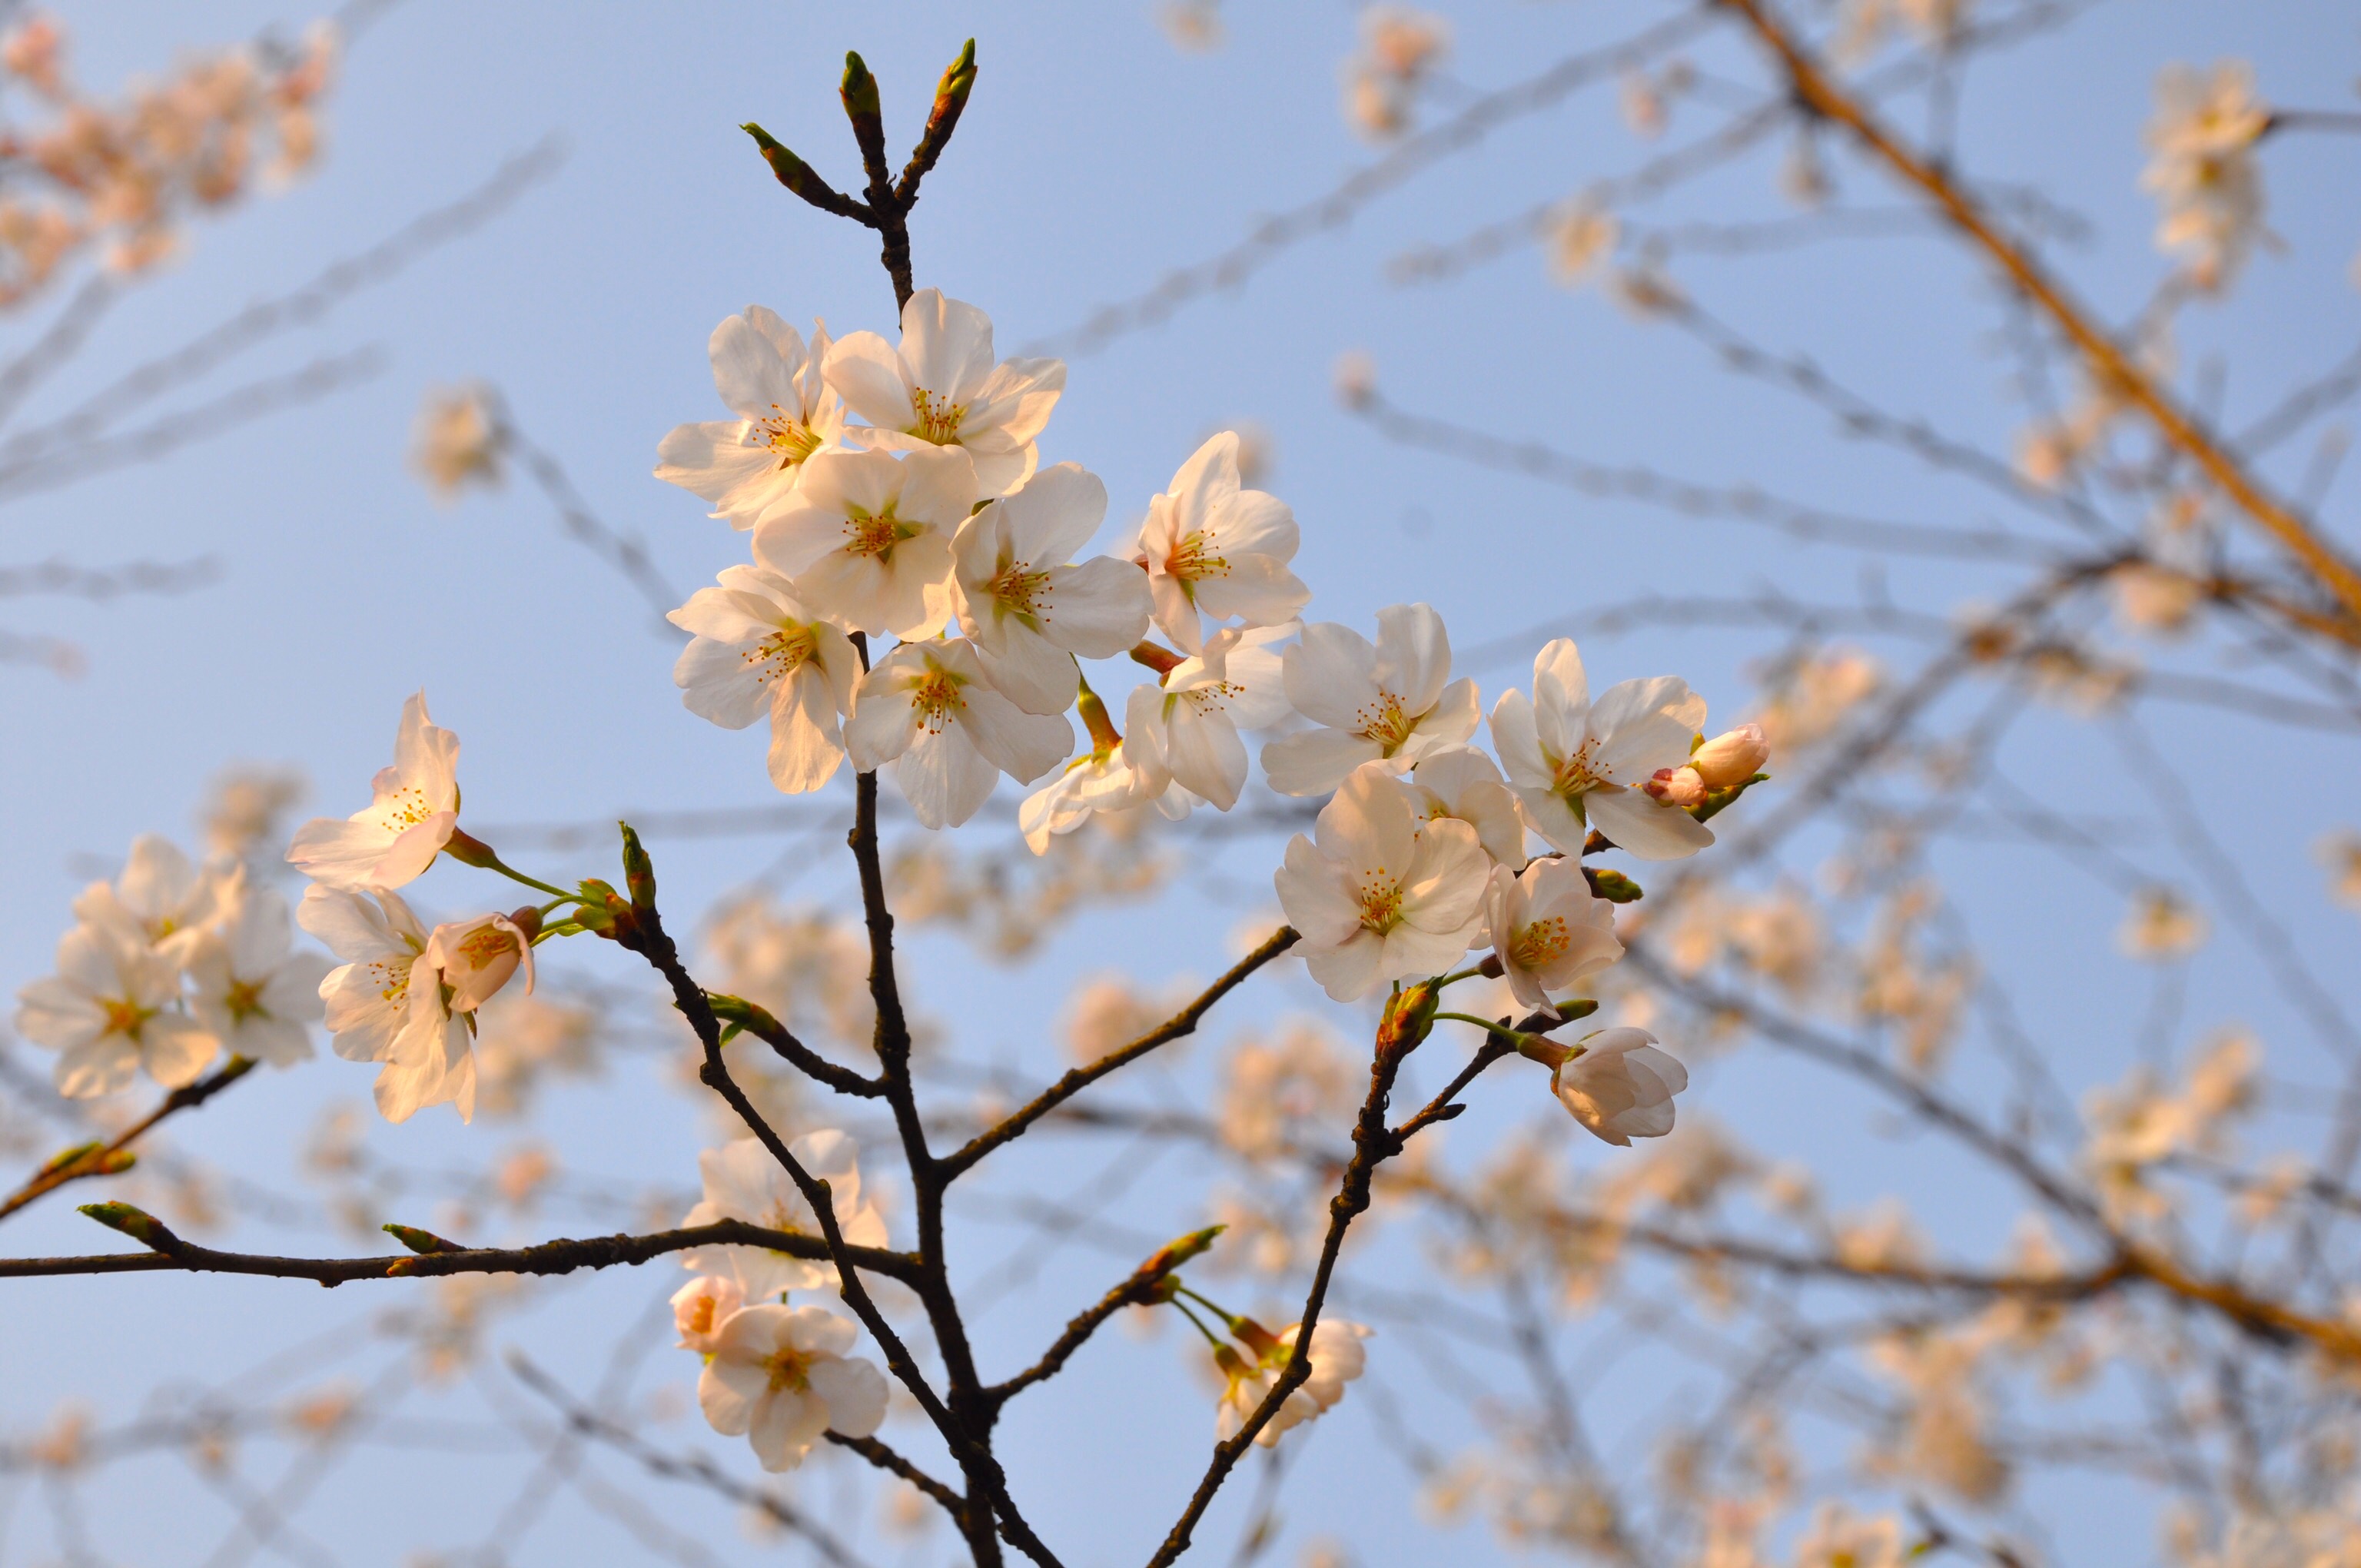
(1732, 757)
(1677, 786)
(699, 1308)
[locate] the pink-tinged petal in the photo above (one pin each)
(1314, 762)
(1054, 515)
(1443, 890)
(1029, 670)
(1515, 737)
(1414, 654)
(414, 849)
(56, 1014)
(1256, 589)
(1644, 828)
(1450, 721)
(855, 1393)
(805, 746)
(841, 483)
(944, 777)
(756, 357)
(714, 461)
(1367, 826)
(1204, 484)
(1315, 897)
(1558, 679)
(1023, 745)
(1412, 952)
(103, 1066)
(947, 345)
(868, 375)
(797, 532)
(336, 854)
(1099, 608)
(727, 1392)
(1550, 815)
(1641, 725)
(1205, 754)
(94, 958)
(1329, 677)
(353, 925)
(1352, 971)
(938, 486)
(175, 1049)
(426, 755)
(719, 683)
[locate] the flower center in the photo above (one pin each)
(782, 653)
(244, 1000)
(405, 807)
(485, 947)
(1214, 698)
(1385, 721)
(125, 1016)
(939, 417)
(1540, 944)
(1020, 590)
(936, 701)
(700, 1315)
(393, 981)
(874, 538)
(1380, 900)
(1193, 558)
(790, 1369)
(1578, 774)
(784, 434)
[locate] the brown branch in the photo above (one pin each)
(2111, 365)
(888, 1459)
(1143, 1288)
(1181, 1023)
(758, 1022)
(108, 1158)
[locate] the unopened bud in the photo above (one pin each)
(469, 850)
(138, 1223)
(1612, 886)
(603, 912)
(1255, 1338)
(1732, 757)
(1173, 1253)
(1410, 1018)
(420, 1241)
(639, 871)
(1682, 787)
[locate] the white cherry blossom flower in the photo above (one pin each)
(416, 806)
(1188, 726)
(1099, 781)
(1338, 1358)
(1393, 700)
(1575, 763)
(1026, 606)
(472, 960)
(700, 1307)
(158, 900)
(942, 387)
(110, 1012)
(1377, 895)
(780, 1378)
(927, 709)
(786, 413)
(1213, 549)
(1462, 782)
(254, 992)
(867, 539)
(1618, 1084)
(743, 1182)
(756, 649)
(1548, 929)
(374, 1013)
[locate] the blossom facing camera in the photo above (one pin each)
(1187, 729)
(1732, 757)
(780, 1378)
(254, 992)
(1618, 1084)
(1215, 549)
(699, 1308)
(416, 806)
(1391, 700)
(1548, 930)
(758, 649)
(108, 1013)
(866, 539)
(743, 1182)
(943, 389)
(1580, 764)
(160, 900)
(927, 709)
(786, 415)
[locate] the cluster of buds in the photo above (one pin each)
(1715, 773)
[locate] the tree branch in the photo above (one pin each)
(108, 1158)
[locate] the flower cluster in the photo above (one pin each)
(776, 1375)
(122, 176)
(166, 967)
(2202, 167)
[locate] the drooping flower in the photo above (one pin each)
(416, 806)
(1188, 726)
(1575, 763)
(1618, 1084)
(1099, 781)
(942, 387)
(700, 1307)
(1378, 896)
(927, 709)
(472, 960)
(780, 1378)
(1026, 606)
(1337, 1356)
(1548, 930)
(743, 1182)
(254, 992)
(1393, 700)
(158, 900)
(786, 415)
(110, 1012)
(372, 1012)
(757, 649)
(1462, 782)
(867, 539)
(1213, 549)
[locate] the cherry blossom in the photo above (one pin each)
(867, 539)
(743, 1182)
(1462, 782)
(942, 387)
(1575, 764)
(1548, 930)
(1393, 700)
(786, 411)
(1618, 1084)
(416, 806)
(1337, 1356)
(254, 992)
(1213, 549)
(757, 648)
(158, 899)
(1377, 895)
(927, 709)
(110, 1012)
(1026, 609)
(374, 1013)
(700, 1307)
(1188, 726)
(780, 1378)
(1099, 781)
(472, 960)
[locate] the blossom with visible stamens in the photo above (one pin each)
(1576, 764)
(927, 709)
(759, 649)
(1188, 726)
(371, 1013)
(1377, 895)
(416, 808)
(158, 900)
(700, 1307)
(1548, 930)
(472, 960)
(1105, 778)
(108, 1012)
(254, 990)
(1393, 700)
(1213, 549)
(780, 1378)
(1026, 606)
(743, 1182)
(942, 387)
(786, 415)
(866, 538)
